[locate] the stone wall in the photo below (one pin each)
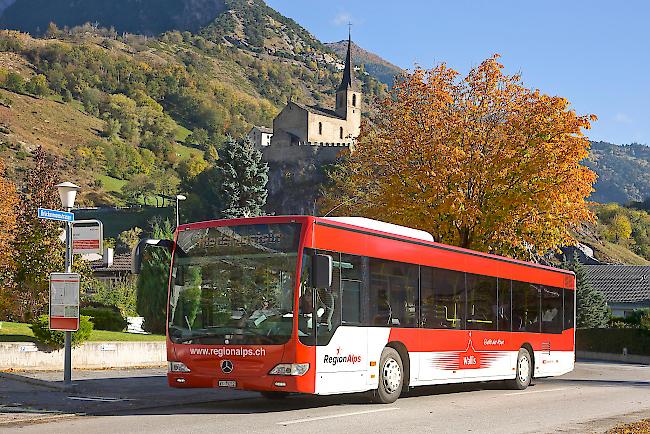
(28, 356)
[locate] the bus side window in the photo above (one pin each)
(352, 283)
(442, 298)
(525, 307)
(395, 285)
(569, 312)
(481, 302)
(504, 312)
(552, 310)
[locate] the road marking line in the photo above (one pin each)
(334, 416)
(536, 391)
(97, 398)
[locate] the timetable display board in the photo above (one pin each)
(64, 301)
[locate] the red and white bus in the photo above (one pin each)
(325, 306)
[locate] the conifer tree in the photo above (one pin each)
(591, 307)
(153, 279)
(244, 177)
(236, 185)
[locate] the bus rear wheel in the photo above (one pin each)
(524, 371)
(391, 377)
(274, 395)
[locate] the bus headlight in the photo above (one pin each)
(294, 369)
(177, 367)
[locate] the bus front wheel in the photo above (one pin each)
(524, 370)
(391, 377)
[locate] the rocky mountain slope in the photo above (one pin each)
(373, 64)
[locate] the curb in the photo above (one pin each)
(37, 382)
(36, 420)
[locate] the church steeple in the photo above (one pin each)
(348, 74)
(348, 99)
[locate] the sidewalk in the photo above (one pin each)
(35, 396)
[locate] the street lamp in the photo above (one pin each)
(68, 193)
(179, 197)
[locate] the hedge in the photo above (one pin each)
(637, 341)
(105, 318)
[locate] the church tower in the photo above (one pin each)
(348, 96)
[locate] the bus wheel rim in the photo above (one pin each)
(392, 376)
(524, 369)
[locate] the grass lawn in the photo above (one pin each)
(185, 152)
(20, 332)
(111, 184)
(181, 134)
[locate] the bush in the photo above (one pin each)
(121, 295)
(105, 318)
(41, 329)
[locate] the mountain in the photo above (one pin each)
(119, 108)
(623, 172)
(148, 17)
(373, 64)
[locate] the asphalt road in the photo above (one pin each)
(593, 398)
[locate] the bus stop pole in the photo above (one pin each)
(67, 366)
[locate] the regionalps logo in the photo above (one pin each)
(334, 360)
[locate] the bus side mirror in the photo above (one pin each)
(321, 269)
(138, 250)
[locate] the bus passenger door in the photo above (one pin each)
(341, 351)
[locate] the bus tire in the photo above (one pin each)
(274, 395)
(524, 373)
(391, 377)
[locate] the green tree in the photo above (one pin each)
(14, 82)
(112, 129)
(37, 85)
(620, 229)
(128, 239)
(199, 138)
(591, 307)
(153, 281)
(236, 185)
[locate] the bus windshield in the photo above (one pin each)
(234, 285)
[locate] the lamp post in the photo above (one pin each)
(68, 193)
(179, 197)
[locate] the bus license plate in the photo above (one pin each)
(227, 383)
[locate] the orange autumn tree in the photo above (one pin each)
(480, 162)
(8, 206)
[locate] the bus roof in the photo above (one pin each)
(416, 236)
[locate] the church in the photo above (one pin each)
(301, 131)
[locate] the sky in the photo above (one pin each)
(594, 53)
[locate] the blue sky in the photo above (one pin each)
(594, 53)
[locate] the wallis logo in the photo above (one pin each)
(467, 359)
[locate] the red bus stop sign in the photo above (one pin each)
(64, 301)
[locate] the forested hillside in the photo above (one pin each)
(623, 172)
(134, 116)
(149, 17)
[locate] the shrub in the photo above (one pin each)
(121, 295)
(41, 329)
(105, 318)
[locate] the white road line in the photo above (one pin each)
(528, 392)
(334, 416)
(97, 398)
